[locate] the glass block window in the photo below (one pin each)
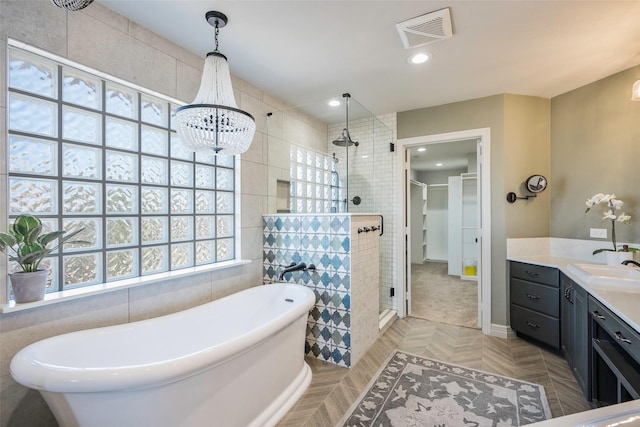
(88, 152)
(315, 184)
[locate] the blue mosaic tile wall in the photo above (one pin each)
(325, 241)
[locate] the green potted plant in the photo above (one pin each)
(26, 245)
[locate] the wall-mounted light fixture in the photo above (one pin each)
(72, 5)
(213, 120)
(635, 91)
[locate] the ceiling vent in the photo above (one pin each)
(425, 29)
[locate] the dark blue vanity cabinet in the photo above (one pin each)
(535, 302)
(574, 330)
(615, 352)
(602, 350)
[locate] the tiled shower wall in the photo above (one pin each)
(344, 321)
(372, 178)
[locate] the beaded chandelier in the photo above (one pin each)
(72, 5)
(213, 120)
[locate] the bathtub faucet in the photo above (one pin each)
(295, 267)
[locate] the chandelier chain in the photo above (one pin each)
(217, 32)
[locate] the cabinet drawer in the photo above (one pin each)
(535, 273)
(620, 332)
(542, 298)
(544, 328)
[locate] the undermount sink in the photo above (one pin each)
(617, 275)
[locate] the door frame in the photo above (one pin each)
(483, 135)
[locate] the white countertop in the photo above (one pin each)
(560, 253)
(625, 414)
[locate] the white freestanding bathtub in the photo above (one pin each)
(236, 361)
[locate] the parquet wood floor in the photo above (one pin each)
(333, 389)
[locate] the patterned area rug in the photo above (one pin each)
(410, 390)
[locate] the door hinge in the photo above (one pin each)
(392, 147)
(392, 292)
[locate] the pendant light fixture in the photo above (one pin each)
(213, 120)
(72, 5)
(635, 91)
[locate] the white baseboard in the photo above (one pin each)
(502, 331)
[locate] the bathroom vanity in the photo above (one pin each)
(535, 303)
(602, 349)
(588, 312)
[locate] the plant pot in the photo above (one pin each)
(616, 258)
(29, 287)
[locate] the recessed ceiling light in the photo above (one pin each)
(365, 157)
(419, 58)
(422, 149)
(334, 103)
(438, 164)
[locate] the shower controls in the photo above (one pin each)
(368, 229)
(356, 200)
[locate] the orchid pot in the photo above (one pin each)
(616, 258)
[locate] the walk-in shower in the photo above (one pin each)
(340, 161)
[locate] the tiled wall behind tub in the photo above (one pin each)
(344, 321)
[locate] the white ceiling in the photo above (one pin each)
(450, 155)
(307, 51)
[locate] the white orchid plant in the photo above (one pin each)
(611, 207)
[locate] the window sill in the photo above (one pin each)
(56, 297)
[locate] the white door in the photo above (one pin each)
(484, 217)
(406, 232)
(454, 239)
(418, 212)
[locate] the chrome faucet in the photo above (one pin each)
(630, 261)
(295, 267)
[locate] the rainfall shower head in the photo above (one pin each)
(344, 140)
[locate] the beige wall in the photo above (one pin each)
(516, 122)
(595, 148)
(97, 37)
(526, 152)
